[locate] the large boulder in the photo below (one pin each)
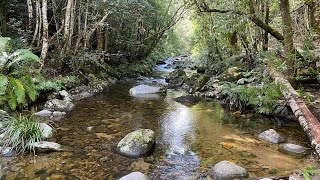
(226, 170)
(271, 136)
(146, 89)
(137, 143)
(200, 82)
(176, 78)
(59, 105)
(231, 74)
(294, 150)
(65, 95)
(134, 176)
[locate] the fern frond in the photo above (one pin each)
(29, 87)
(19, 90)
(3, 84)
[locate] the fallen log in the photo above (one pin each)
(307, 120)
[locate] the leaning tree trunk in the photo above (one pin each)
(45, 37)
(288, 36)
(307, 120)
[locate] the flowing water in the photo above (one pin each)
(189, 140)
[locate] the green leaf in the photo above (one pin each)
(18, 90)
(3, 84)
(29, 87)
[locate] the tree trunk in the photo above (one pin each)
(67, 21)
(100, 31)
(45, 37)
(30, 16)
(36, 30)
(307, 120)
(266, 34)
(288, 37)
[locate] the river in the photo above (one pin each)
(189, 139)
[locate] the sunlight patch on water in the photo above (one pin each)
(178, 129)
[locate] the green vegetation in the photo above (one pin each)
(21, 132)
(308, 172)
(263, 98)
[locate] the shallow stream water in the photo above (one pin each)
(189, 140)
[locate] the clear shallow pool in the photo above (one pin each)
(189, 140)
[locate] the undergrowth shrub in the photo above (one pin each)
(17, 68)
(21, 132)
(264, 99)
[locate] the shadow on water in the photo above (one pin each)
(188, 140)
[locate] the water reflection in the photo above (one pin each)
(178, 129)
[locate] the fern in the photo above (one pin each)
(3, 84)
(263, 99)
(16, 92)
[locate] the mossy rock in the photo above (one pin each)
(5, 45)
(231, 74)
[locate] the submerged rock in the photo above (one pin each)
(46, 146)
(134, 176)
(271, 136)
(59, 105)
(294, 150)
(187, 100)
(145, 89)
(43, 113)
(226, 170)
(137, 143)
(47, 131)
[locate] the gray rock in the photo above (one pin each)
(271, 136)
(65, 95)
(134, 176)
(176, 78)
(43, 113)
(294, 150)
(82, 95)
(47, 131)
(137, 143)
(59, 105)
(145, 89)
(46, 146)
(226, 170)
(58, 114)
(4, 115)
(7, 151)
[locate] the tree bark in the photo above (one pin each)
(288, 36)
(36, 30)
(67, 21)
(100, 31)
(266, 35)
(307, 120)
(45, 37)
(30, 18)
